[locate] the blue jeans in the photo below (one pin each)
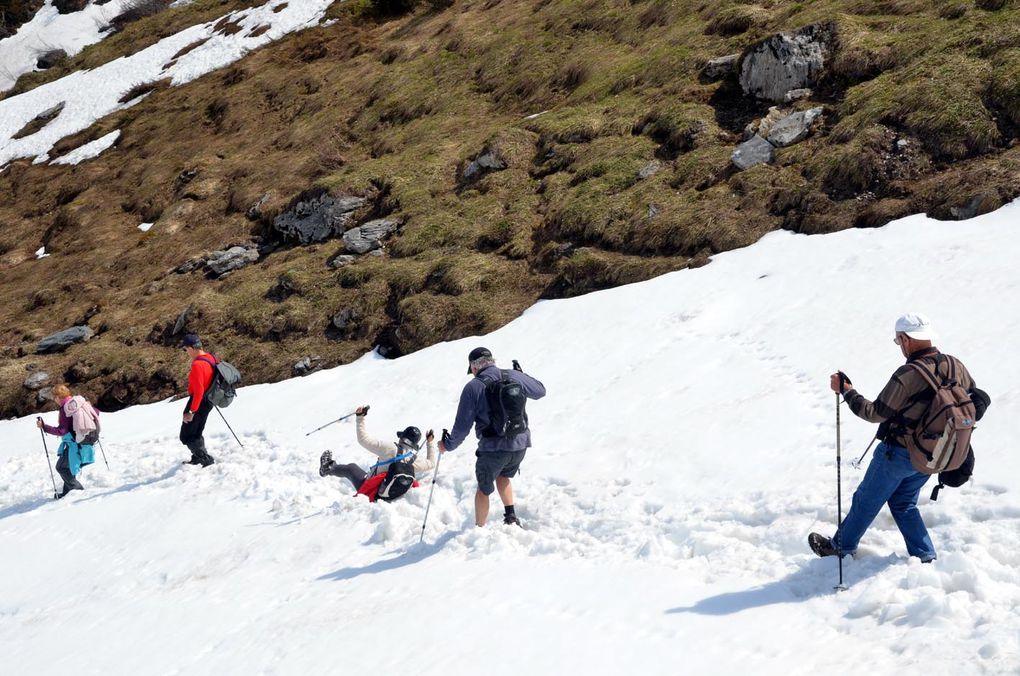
(890, 479)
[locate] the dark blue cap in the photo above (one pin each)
(191, 340)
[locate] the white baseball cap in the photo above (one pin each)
(916, 325)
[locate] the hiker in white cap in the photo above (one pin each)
(896, 474)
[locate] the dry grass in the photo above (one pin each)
(393, 109)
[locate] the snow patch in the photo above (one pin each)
(93, 94)
(89, 150)
(144, 227)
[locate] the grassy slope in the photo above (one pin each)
(394, 108)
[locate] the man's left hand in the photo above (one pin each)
(835, 385)
(188, 416)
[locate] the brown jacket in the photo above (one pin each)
(906, 396)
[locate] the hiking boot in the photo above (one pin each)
(821, 545)
(325, 462)
(76, 486)
(511, 520)
(206, 460)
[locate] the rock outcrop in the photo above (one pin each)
(786, 62)
(61, 340)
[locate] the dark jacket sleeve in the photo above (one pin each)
(466, 412)
(891, 400)
(533, 388)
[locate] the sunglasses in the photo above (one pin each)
(898, 340)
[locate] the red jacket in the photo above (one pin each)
(200, 379)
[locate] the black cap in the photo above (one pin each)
(477, 353)
(191, 340)
(411, 435)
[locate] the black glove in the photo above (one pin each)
(517, 366)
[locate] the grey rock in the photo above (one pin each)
(50, 58)
(368, 236)
(341, 320)
(37, 381)
(61, 340)
(254, 212)
(182, 321)
(337, 262)
(793, 128)
(190, 265)
(752, 153)
(798, 95)
(763, 126)
(649, 170)
(308, 365)
(43, 396)
(719, 68)
(653, 211)
(219, 263)
(377, 253)
(982, 203)
(485, 163)
(317, 219)
(785, 62)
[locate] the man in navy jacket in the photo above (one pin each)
(498, 457)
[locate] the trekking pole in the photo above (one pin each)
(103, 451)
(228, 426)
(48, 463)
(856, 464)
(446, 435)
(839, 490)
(334, 422)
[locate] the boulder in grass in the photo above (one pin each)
(317, 218)
(793, 128)
(752, 153)
(50, 58)
(368, 236)
(220, 263)
(786, 62)
(719, 68)
(61, 340)
(487, 162)
(37, 381)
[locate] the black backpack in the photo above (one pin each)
(226, 378)
(399, 479)
(506, 400)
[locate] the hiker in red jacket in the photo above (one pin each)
(198, 408)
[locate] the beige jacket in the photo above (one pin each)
(388, 449)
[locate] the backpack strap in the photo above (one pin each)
(211, 362)
(930, 377)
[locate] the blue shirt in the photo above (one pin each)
(474, 410)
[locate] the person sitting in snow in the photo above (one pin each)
(78, 427)
(384, 481)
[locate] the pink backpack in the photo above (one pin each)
(84, 419)
(941, 440)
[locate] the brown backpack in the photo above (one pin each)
(941, 440)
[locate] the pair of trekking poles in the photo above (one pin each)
(46, 449)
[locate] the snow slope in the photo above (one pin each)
(685, 450)
(92, 94)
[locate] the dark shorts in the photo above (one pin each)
(492, 464)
